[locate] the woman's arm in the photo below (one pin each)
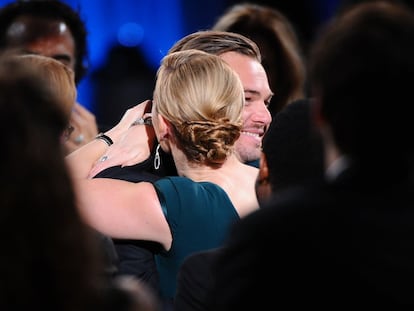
(123, 210)
(134, 147)
(83, 159)
(117, 208)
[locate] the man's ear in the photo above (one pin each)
(263, 187)
(263, 176)
(316, 112)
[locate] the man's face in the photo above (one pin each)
(256, 116)
(47, 37)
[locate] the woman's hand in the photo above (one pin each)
(133, 146)
(129, 117)
(84, 126)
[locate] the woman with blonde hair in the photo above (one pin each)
(197, 116)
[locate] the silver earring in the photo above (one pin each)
(157, 159)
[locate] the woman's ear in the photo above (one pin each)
(164, 127)
(164, 133)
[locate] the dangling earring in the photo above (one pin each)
(157, 159)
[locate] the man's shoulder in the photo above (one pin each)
(134, 173)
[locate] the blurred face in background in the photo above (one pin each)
(47, 37)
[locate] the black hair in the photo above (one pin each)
(293, 147)
(53, 9)
(361, 68)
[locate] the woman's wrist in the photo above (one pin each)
(114, 135)
(105, 138)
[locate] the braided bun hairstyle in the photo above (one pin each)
(203, 99)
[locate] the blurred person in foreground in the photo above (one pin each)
(292, 156)
(50, 259)
(53, 261)
(56, 75)
(348, 241)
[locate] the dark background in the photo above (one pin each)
(127, 36)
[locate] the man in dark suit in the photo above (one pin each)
(347, 242)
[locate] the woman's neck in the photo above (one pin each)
(201, 172)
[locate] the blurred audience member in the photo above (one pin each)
(51, 28)
(350, 241)
(282, 53)
(51, 260)
(292, 152)
(58, 76)
(130, 294)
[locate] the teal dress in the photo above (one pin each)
(199, 214)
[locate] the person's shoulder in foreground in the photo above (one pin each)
(194, 280)
(323, 247)
(349, 241)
